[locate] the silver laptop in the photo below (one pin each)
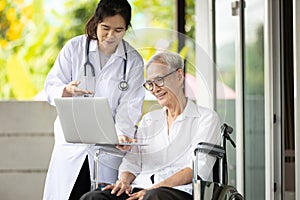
(87, 120)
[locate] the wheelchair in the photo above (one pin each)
(219, 188)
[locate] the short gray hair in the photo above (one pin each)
(171, 59)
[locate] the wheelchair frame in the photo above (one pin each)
(219, 188)
(105, 149)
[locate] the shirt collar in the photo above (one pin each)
(190, 110)
(119, 51)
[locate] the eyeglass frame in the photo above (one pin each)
(162, 78)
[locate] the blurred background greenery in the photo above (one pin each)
(33, 31)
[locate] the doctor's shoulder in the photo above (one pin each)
(76, 42)
(133, 54)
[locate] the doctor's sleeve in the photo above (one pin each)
(59, 75)
(132, 162)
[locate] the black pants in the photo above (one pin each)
(83, 182)
(162, 193)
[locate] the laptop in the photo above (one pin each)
(88, 120)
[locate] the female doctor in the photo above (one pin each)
(101, 64)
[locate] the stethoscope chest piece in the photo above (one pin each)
(123, 85)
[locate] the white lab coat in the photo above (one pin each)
(67, 159)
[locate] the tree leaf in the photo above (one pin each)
(19, 79)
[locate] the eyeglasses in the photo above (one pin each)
(158, 81)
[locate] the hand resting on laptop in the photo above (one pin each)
(125, 139)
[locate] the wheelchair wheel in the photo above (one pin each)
(237, 196)
(230, 193)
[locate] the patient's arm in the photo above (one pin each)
(127, 177)
(182, 177)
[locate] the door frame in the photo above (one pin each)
(296, 37)
(273, 162)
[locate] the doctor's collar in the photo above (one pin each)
(119, 51)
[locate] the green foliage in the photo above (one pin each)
(18, 52)
(190, 19)
(30, 39)
(255, 64)
(27, 56)
(159, 14)
(74, 19)
(156, 13)
(162, 14)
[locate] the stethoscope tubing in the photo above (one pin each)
(87, 59)
(123, 85)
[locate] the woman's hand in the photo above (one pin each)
(137, 195)
(122, 139)
(119, 187)
(72, 89)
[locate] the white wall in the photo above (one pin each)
(26, 142)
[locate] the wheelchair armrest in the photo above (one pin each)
(211, 149)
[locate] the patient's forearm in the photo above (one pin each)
(127, 177)
(182, 177)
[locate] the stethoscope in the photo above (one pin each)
(123, 85)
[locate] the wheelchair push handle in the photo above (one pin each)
(227, 128)
(226, 131)
(211, 149)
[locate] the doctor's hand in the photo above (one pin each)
(72, 89)
(119, 187)
(122, 139)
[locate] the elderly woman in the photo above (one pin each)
(163, 168)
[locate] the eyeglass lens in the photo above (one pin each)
(159, 81)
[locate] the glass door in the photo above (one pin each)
(254, 127)
(225, 35)
(239, 53)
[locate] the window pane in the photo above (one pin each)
(225, 61)
(254, 101)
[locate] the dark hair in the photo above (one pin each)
(108, 8)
